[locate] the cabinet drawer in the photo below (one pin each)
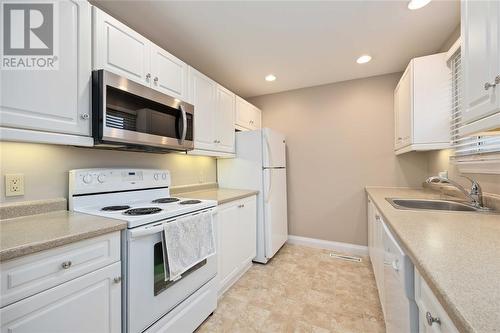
(429, 305)
(90, 303)
(32, 274)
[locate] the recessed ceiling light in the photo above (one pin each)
(417, 4)
(364, 59)
(270, 78)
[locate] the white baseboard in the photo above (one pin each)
(348, 248)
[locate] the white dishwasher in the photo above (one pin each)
(401, 312)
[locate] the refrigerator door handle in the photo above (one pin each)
(269, 156)
(269, 186)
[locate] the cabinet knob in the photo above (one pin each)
(431, 320)
(241, 206)
(489, 85)
(85, 116)
(66, 264)
(148, 76)
(117, 279)
(156, 79)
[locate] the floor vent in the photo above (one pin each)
(345, 257)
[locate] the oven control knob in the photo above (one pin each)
(87, 179)
(164, 176)
(101, 178)
(156, 176)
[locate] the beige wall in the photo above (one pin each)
(45, 167)
(339, 140)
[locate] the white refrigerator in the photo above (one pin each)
(260, 164)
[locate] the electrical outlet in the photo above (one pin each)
(14, 185)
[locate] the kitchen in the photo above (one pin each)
(181, 172)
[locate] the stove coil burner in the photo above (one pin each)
(189, 202)
(143, 211)
(115, 208)
(165, 200)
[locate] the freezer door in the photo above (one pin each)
(274, 149)
(275, 210)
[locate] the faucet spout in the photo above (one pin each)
(475, 196)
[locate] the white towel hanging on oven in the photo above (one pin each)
(187, 241)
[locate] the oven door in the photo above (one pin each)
(126, 112)
(149, 296)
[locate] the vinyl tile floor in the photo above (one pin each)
(301, 289)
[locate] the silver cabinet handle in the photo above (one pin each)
(148, 76)
(117, 279)
(431, 320)
(241, 206)
(489, 85)
(85, 116)
(66, 264)
(156, 79)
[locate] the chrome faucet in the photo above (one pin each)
(475, 195)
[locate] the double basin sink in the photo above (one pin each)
(443, 205)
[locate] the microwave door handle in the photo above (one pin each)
(184, 123)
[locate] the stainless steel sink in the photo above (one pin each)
(423, 204)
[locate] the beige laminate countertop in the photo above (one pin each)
(457, 253)
(29, 234)
(221, 195)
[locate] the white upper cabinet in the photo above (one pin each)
(213, 115)
(37, 104)
(224, 124)
(248, 117)
(121, 50)
(169, 74)
(481, 64)
(422, 105)
(202, 93)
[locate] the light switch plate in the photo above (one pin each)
(14, 184)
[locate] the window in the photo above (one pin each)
(479, 153)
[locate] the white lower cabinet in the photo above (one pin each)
(237, 242)
(376, 249)
(73, 288)
(432, 316)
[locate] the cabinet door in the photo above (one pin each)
(230, 250)
(59, 100)
(370, 221)
(119, 49)
(224, 120)
(243, 113)
(203, 92)
(480, 58)
(248, 230)
(403, 109)
(91, 303)
(169, 74)
(256, 118)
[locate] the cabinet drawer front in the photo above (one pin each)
(428, 303)
(29, 275)
(90, 303)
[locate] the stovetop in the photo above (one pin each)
(138, 196)
(130, 211)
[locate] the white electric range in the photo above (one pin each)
(141, 197)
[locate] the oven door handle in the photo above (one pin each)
(184, 123)
(158, 227)
(141, 232)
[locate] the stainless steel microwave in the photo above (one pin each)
(129, 116)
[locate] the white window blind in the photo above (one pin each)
(466, 147)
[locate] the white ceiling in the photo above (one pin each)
(303, 43)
